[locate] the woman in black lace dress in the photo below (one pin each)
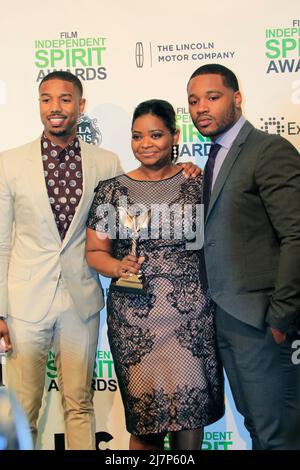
(163, 342)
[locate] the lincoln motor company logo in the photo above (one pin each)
(139, 54)
(150, 53)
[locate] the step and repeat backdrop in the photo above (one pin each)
(124, 53)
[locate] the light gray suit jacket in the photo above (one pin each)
(252, 231)
(32, 255)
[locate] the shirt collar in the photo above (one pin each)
(74, 145)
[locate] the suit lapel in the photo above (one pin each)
(38, 186)
(228, 163)
(89, 177)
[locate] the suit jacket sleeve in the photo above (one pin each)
(278, 178)
(6, 227)
(118, 167)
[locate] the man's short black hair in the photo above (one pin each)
(229, 78)
(65, 76)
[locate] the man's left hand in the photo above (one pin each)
(190, 170)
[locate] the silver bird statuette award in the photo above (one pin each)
(134, 224)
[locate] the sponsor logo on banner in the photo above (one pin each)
(139, 54)
(217, 440)
(212, 441)
(104, 373)
(88, 130)
(277, 125)
(193, 144)
(103, 378)
(283, 48)
(83, 56)
(179, 52)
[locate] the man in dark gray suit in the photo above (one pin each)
(251, 194)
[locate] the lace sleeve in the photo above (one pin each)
(102, 212)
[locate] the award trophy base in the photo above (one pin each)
(131, 285)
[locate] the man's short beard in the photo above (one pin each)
(59, 133)
(230, 120)
(220, 130)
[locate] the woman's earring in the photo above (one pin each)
(175, 153)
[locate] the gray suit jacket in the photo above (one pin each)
(32, 255)
(252, 231)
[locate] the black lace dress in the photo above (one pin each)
(163, 343)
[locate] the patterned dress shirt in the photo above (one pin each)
(63, 177)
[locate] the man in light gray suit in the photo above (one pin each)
(251, 196)
(48, 294)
